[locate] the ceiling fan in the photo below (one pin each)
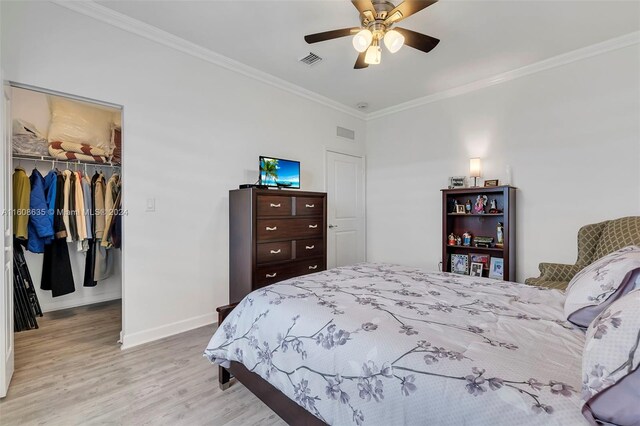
(377, 18)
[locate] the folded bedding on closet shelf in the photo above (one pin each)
(30, 145)
(77, 151)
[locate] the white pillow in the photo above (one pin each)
(611, 377)
(77, 122)
(600, 284)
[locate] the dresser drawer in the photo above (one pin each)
(274, 205)
(281, 229)
(309, 206)
(309, 248)
(273, 252)
(309, 266)
(270, 274)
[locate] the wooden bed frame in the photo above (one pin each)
(282, 405)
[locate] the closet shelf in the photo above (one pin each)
(50, 159)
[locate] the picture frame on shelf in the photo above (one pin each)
(460, 264)
(491, 182)
(476, 269)
(457, 182)
(460, 209)
(496, 268)
(480, 258)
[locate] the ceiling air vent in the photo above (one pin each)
(311, 59)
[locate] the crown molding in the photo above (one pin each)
(124, 22)
(553, 62)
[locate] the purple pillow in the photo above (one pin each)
(611, 377)
(600, 284)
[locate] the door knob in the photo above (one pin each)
(333, 226)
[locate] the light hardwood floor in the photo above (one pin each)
(71, 371)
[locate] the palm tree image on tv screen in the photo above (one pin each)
(279, 172)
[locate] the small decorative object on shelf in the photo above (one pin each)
(460, 209)
(458, 240)
(483, 259)
(476, 269)
(452, 240)
(493, 206)
(491, 182)
(466, 239)
(481, 201)
(496, 269)
(457, 182)
(467, 206)
(500, 234)
(483, 241)
(459, 264)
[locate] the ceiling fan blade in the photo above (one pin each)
(330, 35)
(360, 63)
(418, 41)
(406, 9)
(366, 9)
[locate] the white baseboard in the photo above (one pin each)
(57, 305)
(145, 336)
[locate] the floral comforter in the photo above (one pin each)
(378, 344)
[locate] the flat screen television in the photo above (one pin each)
(279, 172)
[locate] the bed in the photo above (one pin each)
(380, 344)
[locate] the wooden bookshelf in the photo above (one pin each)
(481, 225)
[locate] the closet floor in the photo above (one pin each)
(71, 371)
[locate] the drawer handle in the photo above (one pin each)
(313, 226)
(271, 229)
(271, 275)
(276, 251)
(310, 247)
(313, 267)
(275, 205)
(309, 206)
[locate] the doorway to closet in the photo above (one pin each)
(63, 214)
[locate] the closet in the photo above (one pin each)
(67, 203)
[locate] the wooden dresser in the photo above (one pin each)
(274, 235)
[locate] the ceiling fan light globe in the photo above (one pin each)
(362, 40)
(373, 55)
(393, 40)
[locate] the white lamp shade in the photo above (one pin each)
(393, 40)
(373, 55)
(474, 167)
(362, 40)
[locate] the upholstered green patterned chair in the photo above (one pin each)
(594, 241)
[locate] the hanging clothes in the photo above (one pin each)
(73, 223)
(104, 258)
(57, 275)
(81, 223)
(116, 228)
(66, 175)
(40, 227)
(111, 200)
(90, 259)
(88, 205)
(21, 197)
(99, 190)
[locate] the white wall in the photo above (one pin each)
(571, 135)
(193, 131)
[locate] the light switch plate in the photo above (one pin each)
(151, 204)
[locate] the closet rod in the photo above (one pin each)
(55, 160)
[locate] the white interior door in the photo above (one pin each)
(345, 210)
(6, 295)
